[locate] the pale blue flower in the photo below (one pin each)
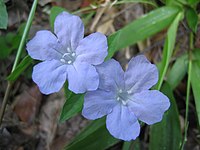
(125, 97)
(66, 55)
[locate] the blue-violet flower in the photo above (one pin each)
(125, 97)
(66, 55)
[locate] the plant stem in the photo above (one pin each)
(3, 107)
(188, 89)
(19, 52)
(26, 31)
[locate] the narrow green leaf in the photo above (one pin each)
(192, 19)
(68, 93)
(54, 12)
(72, 106)
(3, 15)
(196, 54)
(92, 127)
(141, 28)
(193, 2)
(168, 49)
(166, 135)
(178, 71)
(25, 63)
(178, 3)
(95, 137)
(134, 145)
(126, 145)
(195, 80)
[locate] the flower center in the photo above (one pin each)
(69, 57)
(122, 96)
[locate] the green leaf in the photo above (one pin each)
(134, 145)
(92, 127)
(195, 80)
(10, 42)
(178, 71)
(168, 49)
(5, 49)
(72, 106)
(179, 3)
(196, 54)
(20, 68)
(142, 28)
(126, 145)
(95, 136)
(3, 15)
(54, 12)
(192, 19)
(193, 2)
(166, 135)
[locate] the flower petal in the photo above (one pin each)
(122, 124)
(69, 30)
(49, 76)
(82, 77)
(140, 75)
(92, 49)
(42, 46)
(111, 75)
(98, 104)
(149, 106)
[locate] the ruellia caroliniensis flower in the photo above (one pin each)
(67, 55)
(125, 97)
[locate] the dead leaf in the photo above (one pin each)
(48, 120)
(106, 27)
(44, 2)
(26, 104)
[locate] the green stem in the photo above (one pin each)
(5, 99)
(26, 31)
(19, 52)
(188, 89)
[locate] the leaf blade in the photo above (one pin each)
(167, 133)
(141, 28)
(195, 80)
(3, 15)
(192, 19)
(24, 64)
(168, 49)
(71, 107)
(89, 138)
(178, 71)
